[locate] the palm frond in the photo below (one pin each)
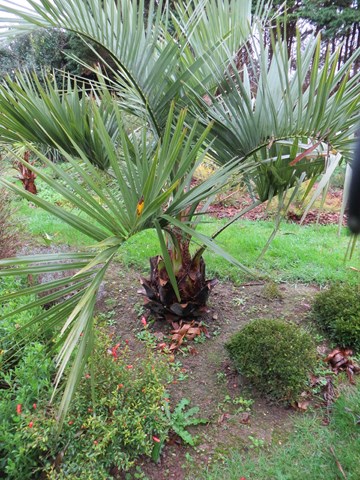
(152, 67)
(276, 101)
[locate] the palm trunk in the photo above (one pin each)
(194, 289)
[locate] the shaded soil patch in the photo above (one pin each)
(206, 376)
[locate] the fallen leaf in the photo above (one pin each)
(245, 418)
(223, 417)
(303, 406)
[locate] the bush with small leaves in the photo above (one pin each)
(275, 355)
(337, 312)
(127, 420)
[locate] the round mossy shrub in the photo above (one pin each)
(337, 312)
(276, 356)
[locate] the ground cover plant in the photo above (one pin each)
(311, 451)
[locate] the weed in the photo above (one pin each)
(200, 338)
(139, 309)
(221, 377)
(181, 418)
(256, 442)
(271, 291)
(182, 376)
(147, 337)
(243, 404)
(108, 317)
(239, 301)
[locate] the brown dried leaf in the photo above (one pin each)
(314, 380)
(223, 417)
(245, 418)
(193, 351)
(303, 406)
(350, 374)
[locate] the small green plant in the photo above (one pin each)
(181, 418)
(147, 337)
(200, 338)
(221, 377)
(243, 404)
(256, 443)
(108, 317)
(239, 301)
(276, 356)
(337, 312)
(271, 291)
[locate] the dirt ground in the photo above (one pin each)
(206, 377)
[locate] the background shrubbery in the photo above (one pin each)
(276, 356)
(337, 312)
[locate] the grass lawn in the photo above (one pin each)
(312, 451)
(305, 254)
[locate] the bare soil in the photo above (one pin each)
(326, 214)
(206, 376)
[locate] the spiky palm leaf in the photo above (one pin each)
(150, 187)
(45, 114)
(152, 65)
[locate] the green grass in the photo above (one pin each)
(46, 229)
(307, 454)
(297, 254)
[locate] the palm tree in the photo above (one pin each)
(265, 122)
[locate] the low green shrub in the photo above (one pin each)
(13, 336)
(276, 356)
(24, 394)
(127, 420)
(337, 312)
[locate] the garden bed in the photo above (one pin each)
(237, 416)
